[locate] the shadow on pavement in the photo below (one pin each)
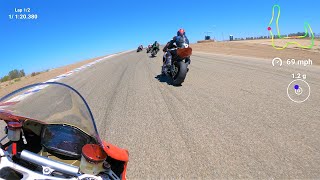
(163, 78)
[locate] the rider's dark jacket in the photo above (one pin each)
(176, 41)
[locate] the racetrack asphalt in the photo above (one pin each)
(231, 118)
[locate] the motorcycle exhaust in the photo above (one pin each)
(43, 161)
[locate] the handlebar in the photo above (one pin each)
(43, 161)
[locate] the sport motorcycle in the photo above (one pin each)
(178, 68)
(50, 133)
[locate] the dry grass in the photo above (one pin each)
(282, 42)
(9, 86)
(260, 49)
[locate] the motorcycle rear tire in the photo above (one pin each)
(153, 53)
(182, 73)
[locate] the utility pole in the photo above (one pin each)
(208, 32)
(213, 32)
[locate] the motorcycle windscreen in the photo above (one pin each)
(50, 103)
(184, 52)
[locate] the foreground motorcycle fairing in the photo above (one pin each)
(51, 134)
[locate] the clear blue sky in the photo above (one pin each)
(73, 30)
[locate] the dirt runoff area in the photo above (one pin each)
(9, 86)
(262, 49)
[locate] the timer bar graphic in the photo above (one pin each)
(23, 14)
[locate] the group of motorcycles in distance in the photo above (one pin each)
(175, 67)
(153, 49)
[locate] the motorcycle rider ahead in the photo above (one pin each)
(140, 48)
(170, 51)
(155, 46)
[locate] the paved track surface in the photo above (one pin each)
(231, 118)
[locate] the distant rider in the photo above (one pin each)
(149, 48)
(176, 42)
(156, 46)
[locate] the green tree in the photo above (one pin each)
(14, 74)
(22, 73)
(5, 78)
